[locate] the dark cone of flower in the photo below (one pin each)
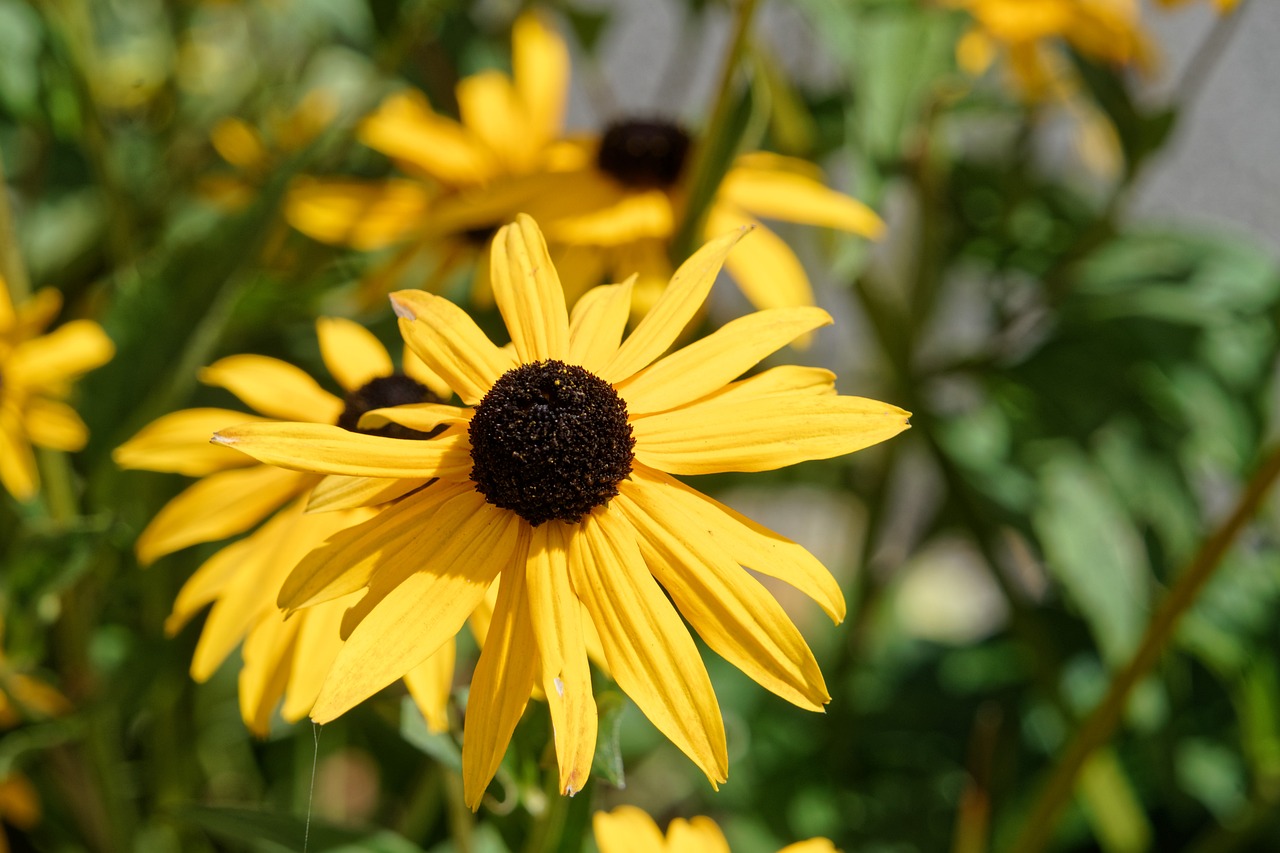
(643, 154)
(394, 390)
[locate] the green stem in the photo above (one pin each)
(1101, 723)
(705, 172)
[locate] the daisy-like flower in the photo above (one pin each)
(628, 829)
(283, 659)
(555, 476)
(625, 194)
(456, 191)
(36, 374)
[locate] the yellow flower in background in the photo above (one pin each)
(507, 130)
(628, 829)
(254, 154)
(283, 659)
(36, 373)
(554, 477)
(623, 197)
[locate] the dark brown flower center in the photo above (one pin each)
(394, 390)
(643, 154)
(550, 440)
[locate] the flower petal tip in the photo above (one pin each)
(219, 438)
(401, 310)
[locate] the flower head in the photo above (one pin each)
(554, 476)
(282, 659)
(628, 829)
(36, 373)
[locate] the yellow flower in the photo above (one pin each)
(282, 659)
(628, 829)
(507, 129)
(554, 476)
(36, 372)
(622, 197)
(1028, 31)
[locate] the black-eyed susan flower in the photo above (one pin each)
(458, 175)
(625, 195)
(628, 829)
(555, 476)
(36, 374)
(283, 659)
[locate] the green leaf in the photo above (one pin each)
(289, 831)
(607, 763)
(439, 745)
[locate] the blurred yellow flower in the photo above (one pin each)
(36, 373)
(555, 477)
(1223, 6)
(283, 659)
(628, 829)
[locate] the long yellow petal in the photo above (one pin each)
(365, 215)
(528, 293)
(346, 562)
(490, 109)
(210, 579)
(540, 72)
(750, 544)
(566, 674)
(428, 607)
(178, 443)
(328, 449)
(337, 492)
(450, 343)
(708, 364)
(406, 128)
(503, 680)
(267, 657)
(633, 215)
(216, 507)
(762, 433)
(696, 835)
(765, 269)
(63, 354)
(794, 197)
(627, 829)
(273, 387)
(317, 647)
(54, 424)
(352, 354)
(649, 650)
(18, 473)
(732, 612)
(420, 416)
(674, 309)
(430, 684)
(596, 325)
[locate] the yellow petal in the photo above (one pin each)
(732, 612)
(424, 610)
(55, 425)
(216, 507)
(627, 829)
(540, 72)
(597, 323)
(238, 144)
(317, 647)
(267, 663)
(696, 835)
(35, 315)
(503, 680)
(649, 650)
(674, 309)
(489, 108)
(566, 675)
(273, 387)
(407, 129)
(178, 443)
(417, 369)
(813, 845)
(348, 560)
(750, 544)
(450, 343)
(430, 684)
(765, 269)
(762, 432)
(708, 364)
(634, 215)
(18, 471)
(423, 417)
(337, 492)
(792, 197)
(209, 581)
(8, 317)
(528, 293)
(333, 450)
(352, 354)
(365, 215)
(63, 354)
